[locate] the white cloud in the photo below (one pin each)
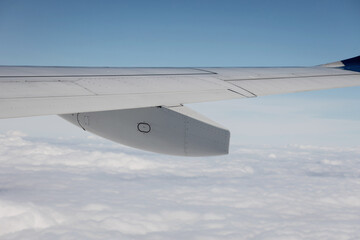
(17, 217)
(98, 190)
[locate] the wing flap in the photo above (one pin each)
(24, 107)
(262, 87)
(147, 84)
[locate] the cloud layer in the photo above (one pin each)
(96, 190)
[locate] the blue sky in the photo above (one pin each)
(198, 33)
(178, 33)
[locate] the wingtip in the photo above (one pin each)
(352, 64)
(355, 61)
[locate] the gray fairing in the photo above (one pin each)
(174, 131)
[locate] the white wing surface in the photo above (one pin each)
(30, 91)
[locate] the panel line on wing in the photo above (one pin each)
(231, 90)
(247, 91)
(290, 77)
(87, 89)
(120, 94)
(116, 75)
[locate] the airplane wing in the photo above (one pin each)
(87, 96)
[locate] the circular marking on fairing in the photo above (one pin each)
(144, 127)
